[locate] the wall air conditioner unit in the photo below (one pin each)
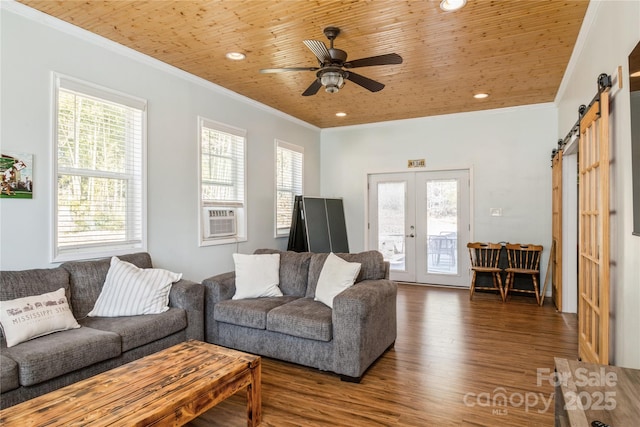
(219, 222)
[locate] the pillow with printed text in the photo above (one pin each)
(30, 317)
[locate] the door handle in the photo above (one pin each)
(409, 235)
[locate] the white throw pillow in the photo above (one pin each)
(336, 276)
(132, 291)
(257, 276)
(30, 317)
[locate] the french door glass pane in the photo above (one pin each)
(391, 217)
(442, 226)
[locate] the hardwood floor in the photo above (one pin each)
(454, 362)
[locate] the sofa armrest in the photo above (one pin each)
(220, 287)
(217, 288)
(189, 296)
(364, 325)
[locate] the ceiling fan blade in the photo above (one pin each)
(319, 49)
(282, 70)
(313, 89)
(365, 82)
(388, 59)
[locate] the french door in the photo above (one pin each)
(420, 222)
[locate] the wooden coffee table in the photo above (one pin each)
(170, 387)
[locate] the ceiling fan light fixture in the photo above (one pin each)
(331, 73)
(332, 81)
(451, 5)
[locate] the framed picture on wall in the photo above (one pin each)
(16, 170)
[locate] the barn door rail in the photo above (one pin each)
(604, 82)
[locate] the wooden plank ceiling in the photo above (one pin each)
(517, 51)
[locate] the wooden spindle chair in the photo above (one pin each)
(523, 259)
(484, 259)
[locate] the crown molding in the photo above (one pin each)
(89, 37)
(587, 24)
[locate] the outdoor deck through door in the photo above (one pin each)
(420, 223)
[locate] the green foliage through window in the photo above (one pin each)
(99, 163)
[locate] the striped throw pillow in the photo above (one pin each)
(131, 291)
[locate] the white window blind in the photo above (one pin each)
(222, 162)
(99, 165)
(289, 172)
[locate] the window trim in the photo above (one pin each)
(91, 90)
(240, 208)
(280, 232)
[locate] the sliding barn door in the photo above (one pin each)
(556, 231)
(593, 261)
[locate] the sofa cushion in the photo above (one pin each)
(132, 291)
(20, 284)
(9, 379)
(304, 318)
(62, 352)
(373, 267)
(294, 270)
(136, 331)
(251, 312)
(30, 317)
(87, 278)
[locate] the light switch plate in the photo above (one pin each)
(495, 211)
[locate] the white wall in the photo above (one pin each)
(609, 34)
(508, 151)
(33, 45)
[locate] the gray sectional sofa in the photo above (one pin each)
(49, 362)
(346, 339)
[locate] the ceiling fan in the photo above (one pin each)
(334, 68)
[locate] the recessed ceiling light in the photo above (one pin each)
(235, 56)
(341, 114)
(451, 5)
(636, 74)
(481, 95)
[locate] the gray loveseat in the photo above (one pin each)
(43, 364)
(295, 328)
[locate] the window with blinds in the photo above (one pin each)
(289, 172)
(100, 141)
(222, 183)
